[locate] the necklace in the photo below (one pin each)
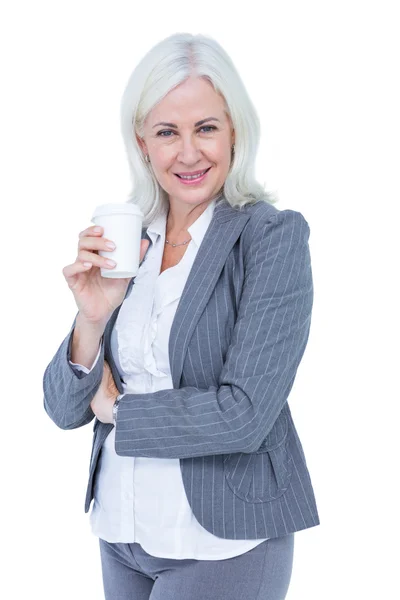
(182, 244)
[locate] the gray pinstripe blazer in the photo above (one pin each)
(239, 333)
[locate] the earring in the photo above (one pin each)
(147, 158)
(233, 148)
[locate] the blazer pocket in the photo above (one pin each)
(264, 475)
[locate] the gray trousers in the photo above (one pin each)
(263, 573)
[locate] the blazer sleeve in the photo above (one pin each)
(268, 342)
(68, 391)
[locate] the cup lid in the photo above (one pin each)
(114, 208)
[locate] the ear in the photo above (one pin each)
(142, 144)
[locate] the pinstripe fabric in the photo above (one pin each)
(239, 333)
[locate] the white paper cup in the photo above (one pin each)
(122, 224)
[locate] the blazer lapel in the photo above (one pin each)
(225, 228)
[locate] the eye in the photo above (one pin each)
(210, 127)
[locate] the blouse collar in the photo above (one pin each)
(197, 230)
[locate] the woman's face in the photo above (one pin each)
(177, 143)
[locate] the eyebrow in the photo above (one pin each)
(196, 124)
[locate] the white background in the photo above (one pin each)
(323, 76)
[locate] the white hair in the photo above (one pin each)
(168, 64)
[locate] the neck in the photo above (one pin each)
(180, 217)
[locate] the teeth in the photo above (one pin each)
(192, 176)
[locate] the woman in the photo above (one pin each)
(197, 473)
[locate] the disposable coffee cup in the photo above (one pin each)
(122, 224)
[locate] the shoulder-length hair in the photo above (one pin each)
(168, 64)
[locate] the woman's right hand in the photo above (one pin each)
(96, 297)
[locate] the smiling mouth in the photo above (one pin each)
(193, 177)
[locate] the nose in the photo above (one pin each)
(189, 153)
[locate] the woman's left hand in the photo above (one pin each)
(103, 400)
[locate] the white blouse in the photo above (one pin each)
(140, 499)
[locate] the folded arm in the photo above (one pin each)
(68, 390)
